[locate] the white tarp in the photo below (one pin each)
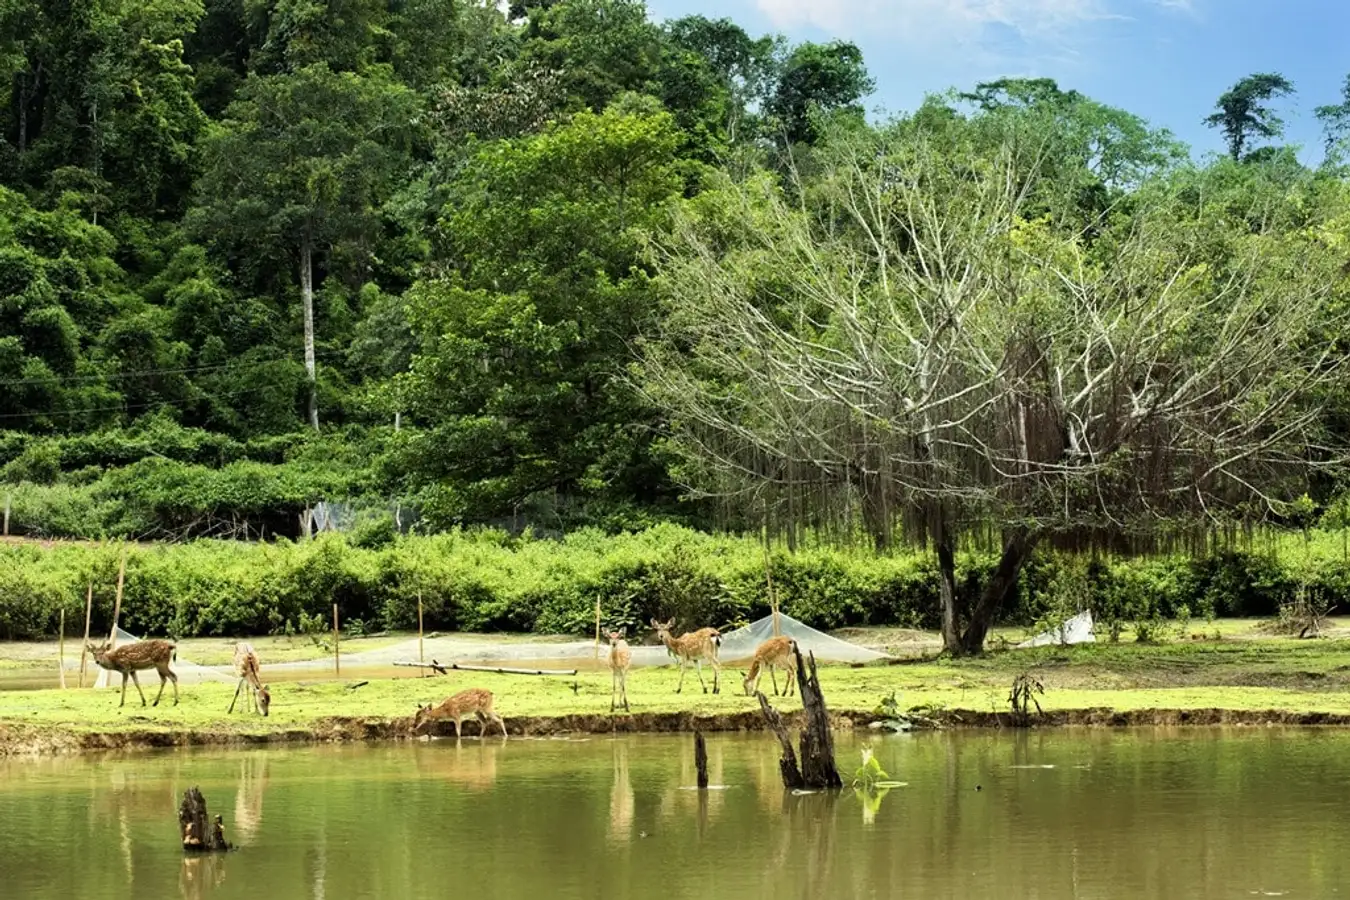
(1077, 630)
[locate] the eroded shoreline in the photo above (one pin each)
(17, 739)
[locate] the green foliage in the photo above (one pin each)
(1242, 115)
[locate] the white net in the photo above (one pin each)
(737, 646)
(1077, 630)
(187, 672)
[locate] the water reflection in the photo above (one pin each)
(1120, 814)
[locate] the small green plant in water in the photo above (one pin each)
(870, 776)
(1025, 688)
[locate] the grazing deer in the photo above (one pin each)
(773, 654)
(620, 658)
(246, 667)
(475, 701)
(695, 647)
(131, 658)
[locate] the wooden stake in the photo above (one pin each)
(337, 665)
(88, 619)
(8, 497)
(420, 656)
(117, 607)
(597, 627)
(61, 651)
(773, 595)
(701, 760)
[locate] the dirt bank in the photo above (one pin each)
(52, 739)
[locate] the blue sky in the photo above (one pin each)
(1165, 60)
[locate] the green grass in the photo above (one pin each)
(1277, 674)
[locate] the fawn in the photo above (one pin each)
(773, 654)
(695, 647)
(475, 701)
(131, 658)
(620, 658)
(246, 667)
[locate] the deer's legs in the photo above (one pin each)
(136, 681)
(500, 721)
(458, 720)
(698, 669)
(613, 689)
(124, 691)
(239, 687)
(680, 686)
(166, 672)
(623, 690)
(717, 674)
(774, 678)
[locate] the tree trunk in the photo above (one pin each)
(1017, 549)
(818, 770)
(199, 833)
(946, 554)
(307, 300)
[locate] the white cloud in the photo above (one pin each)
(920, 22)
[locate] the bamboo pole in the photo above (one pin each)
(420, 655)
(61, 649)
(337, 664)
(773, 595)
(117, 606)
(8, 498)
(88, 620)
(597, 627)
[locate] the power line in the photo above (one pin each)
(149, 373)
(126, 407)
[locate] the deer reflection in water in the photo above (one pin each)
(248, 798)
(621, 804)
(472, 765)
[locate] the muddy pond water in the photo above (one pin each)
(1184, 813)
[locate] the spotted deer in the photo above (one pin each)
(620, 658)
(775, 653)
(474, 701)
(132, 658)
(695, 647)
(247, 668)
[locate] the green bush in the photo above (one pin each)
(486, 581)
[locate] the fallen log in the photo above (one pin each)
(199, 833)
(441, 668)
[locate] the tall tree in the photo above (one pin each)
(1335, 117)
(905, 341)
(521, 348)
(1242, 112)
(818, 77)
(304, 163)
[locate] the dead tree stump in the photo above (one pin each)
(817, 768)
(701, 760)
(787, 763)
(199, 832)
(817, 740)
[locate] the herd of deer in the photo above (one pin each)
(694, 647)
(129, 659)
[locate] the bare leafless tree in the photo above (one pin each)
(912, 334)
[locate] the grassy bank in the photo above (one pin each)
(1241, 678)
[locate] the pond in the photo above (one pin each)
(1190, 813)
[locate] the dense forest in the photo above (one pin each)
(403, 254)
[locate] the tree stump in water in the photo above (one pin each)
(817, 741)
(199, 832)
(701, 760)
(787, 763)
(817, 744)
